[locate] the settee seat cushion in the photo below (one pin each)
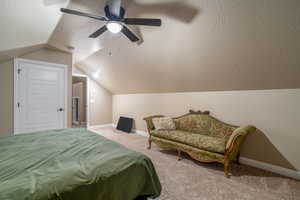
(197, 140)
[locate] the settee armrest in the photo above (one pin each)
(150, 125)
(236, 139)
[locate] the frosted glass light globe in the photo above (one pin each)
(114, 27)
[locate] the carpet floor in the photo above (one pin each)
(191, 180)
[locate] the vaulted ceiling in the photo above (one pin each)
(206, 45)
(28, 23)
(203, 45)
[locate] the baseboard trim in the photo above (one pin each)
(254, 163)
(269, 167)
(101, 126)
(139, 132)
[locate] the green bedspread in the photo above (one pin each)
(73, 164)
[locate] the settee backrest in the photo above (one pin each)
(204, 124)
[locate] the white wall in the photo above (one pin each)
(276, 113)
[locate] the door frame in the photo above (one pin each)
(87, 96)
(17, 61)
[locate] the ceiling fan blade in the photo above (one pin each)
(99, 32)
(131, 36)
(142, 21)
(74, 12)
(115, 7)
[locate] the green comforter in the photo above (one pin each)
(73, 164)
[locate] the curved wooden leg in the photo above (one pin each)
(178, 154)
(149, 142)
(226, 168)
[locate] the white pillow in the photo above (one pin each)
(164, 123)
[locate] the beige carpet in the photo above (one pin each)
(192, 180)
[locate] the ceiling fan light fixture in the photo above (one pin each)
(115, 21)
(114, 27)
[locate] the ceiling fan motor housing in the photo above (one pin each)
(112, 17)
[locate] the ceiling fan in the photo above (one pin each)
(115, 21)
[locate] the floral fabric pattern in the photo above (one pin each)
(204, 124)
(204, 142)
(198, 154)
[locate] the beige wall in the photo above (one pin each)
(6, 98)
(79, 91)
(100, 105)
(6, 87)
(100, 102)
(274, 112)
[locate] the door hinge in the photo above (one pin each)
(19, 71)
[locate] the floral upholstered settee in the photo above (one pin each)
(202, 136)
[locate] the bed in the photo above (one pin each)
(73, 164)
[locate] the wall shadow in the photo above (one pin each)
(257, 146)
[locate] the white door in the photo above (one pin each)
(40, 96)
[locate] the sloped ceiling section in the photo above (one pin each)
(12, 53)
(204, 45)
(28, 23)
(73, 31)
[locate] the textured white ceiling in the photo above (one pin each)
(74, 30)
(226, 45)
(28, 22)
(203, 45)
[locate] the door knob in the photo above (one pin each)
(60, 110)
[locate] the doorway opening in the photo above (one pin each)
(80, 114)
